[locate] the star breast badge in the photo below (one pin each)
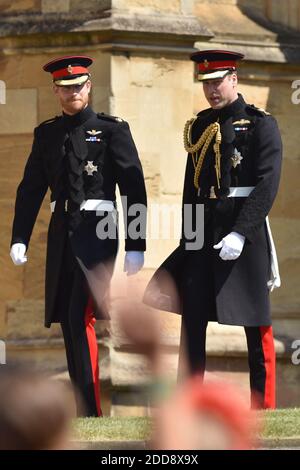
(93, 136)
(236, 158)
(90, 168)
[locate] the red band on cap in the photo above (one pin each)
(207, 66)
(69, 71)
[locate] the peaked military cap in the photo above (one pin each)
(214, 64)
(69, 70)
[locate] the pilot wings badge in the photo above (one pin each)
(93, 136)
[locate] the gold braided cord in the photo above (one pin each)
(218, 155)
(201, 159)
(213, 130)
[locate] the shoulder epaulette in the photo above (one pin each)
(48, 121)
(205, 112)
(260, 111)
(108, 117)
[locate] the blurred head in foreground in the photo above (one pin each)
(35, 412)
(211, 416)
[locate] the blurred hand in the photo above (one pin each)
(205, 416)
(17, 253)
(134, 261)
(231, 246)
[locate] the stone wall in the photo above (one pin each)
(286, 13)
(51, 6)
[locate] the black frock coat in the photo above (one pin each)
(231, 292)
(105, 141)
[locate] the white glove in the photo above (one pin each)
(17, 253)
(134, 261)
(232, 246)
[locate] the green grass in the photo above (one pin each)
(112, 429)
(282, 424)
(278, 424)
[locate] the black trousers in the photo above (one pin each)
(86, 272)
(79, 335)
(260, 342)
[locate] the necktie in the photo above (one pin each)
(76, 153)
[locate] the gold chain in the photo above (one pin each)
(213, 130)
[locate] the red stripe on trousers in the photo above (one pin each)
(266, 333)
(93, 349)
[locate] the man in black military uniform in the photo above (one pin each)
(80, 156)
(233, 169)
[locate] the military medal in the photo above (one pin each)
(90, 168)
(93, 136)
(236, 158)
